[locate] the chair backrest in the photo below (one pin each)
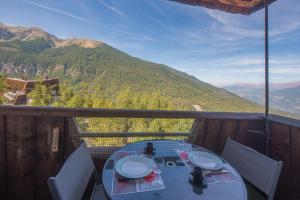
(71, 181)
(260, 170)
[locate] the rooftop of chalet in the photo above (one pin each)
(27, 85)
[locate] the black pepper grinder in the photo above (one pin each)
(198, 179)
(197, 176)
(149, 150)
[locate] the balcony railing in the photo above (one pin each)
(34, 141)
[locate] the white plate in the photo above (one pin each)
(205, 160)
(134, 166)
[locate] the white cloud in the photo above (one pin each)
(245, 60)
(156, 7)
(236, 24)
(62, 12)
(260, 70)
(244, 68)
(285, 27)
(113, 9)
(285, 70)
(253, 26)
(131, 35)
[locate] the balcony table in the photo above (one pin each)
(177, 186)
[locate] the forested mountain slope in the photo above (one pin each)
(94, 74)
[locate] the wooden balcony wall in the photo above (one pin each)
(27, 159)
(285, 146)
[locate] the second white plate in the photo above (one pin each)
(205, 160)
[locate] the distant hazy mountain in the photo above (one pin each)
(285, 96)
(82, 63)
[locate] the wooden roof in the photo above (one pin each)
(245, 7)
(26, 85)
(16, 84)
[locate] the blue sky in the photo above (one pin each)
(216, 47)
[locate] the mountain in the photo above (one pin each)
(253, 92)
(18, 33)
(93, 68)
(262, 85)
(283, 96)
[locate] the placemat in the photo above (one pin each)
(126, 186)
(222, 176)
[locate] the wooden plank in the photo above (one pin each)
(228, 130)
(48, 162)
(245, 126)
(3, 177)
(280, 150)
(296, 194)
(257, 140)
(212, 134)
(131, 134)
(127, 113)
(20, 135)
(284, 120)
(295, 148)
(241, 135)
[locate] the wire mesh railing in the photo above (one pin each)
(106, 130)
(104, 135)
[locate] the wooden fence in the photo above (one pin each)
(285, 146)
(28, 155)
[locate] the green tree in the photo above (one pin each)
(3, 88)
(76, 101)
(41, 95)
(65, 95)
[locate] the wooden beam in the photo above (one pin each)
(295, 150)
(284, 120)
(281, 150)
(126, 113)
(3, 161)
(133, 134)
(228, 130)
(48, 162)
(20, 133)
(242, 135)
(212, 134)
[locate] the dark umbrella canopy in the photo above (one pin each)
(245, 7)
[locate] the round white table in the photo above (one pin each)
(175, 178)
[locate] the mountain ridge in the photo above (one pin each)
(284, 85)
(107, 73)
(32, 33)
(283, 96)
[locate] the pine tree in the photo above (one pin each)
(3, 88)
(40, 95)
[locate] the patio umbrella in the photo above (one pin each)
(245, 7)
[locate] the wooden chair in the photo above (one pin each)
(72, 180)
(259, 170)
